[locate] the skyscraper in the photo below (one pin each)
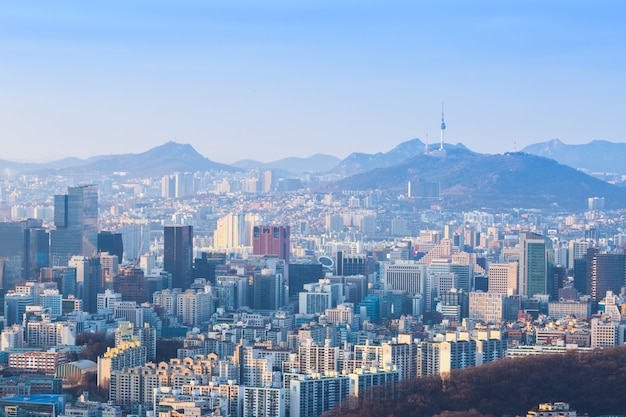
(112, 243)
(132, 284)
(76, 222)
(89, 281)
(36, 252)
(535, 268)
(178, 254)
(271, 240)
(268, 290)
(303, 273)
(503, 278)
(605, 271)
(23, 249)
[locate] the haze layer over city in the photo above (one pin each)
(234, 209)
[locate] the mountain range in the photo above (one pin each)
(464, 179)
(468, 179)
(595, 156)
(316, 163)
(358, 162)
(158, 161)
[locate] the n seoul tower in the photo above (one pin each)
(443, 127)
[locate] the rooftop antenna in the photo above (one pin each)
(443, 127)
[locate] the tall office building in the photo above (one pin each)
(354, 264)
(463, 275)
(268, 290)
(408, 276)
(11, 253)
(577, 250)
(89, 281)
(132, 284)
(303, 273)
(206, 266)
(76, 222)
(178, 254)
(23, 251)
(271, 240)
(605, 271)
(110, 267)
(136, 240)
(536, 262)
(503, 278)
(580, 274)
(36, 252)
(15, 306)
(112, 243)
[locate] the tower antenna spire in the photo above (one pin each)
(443, 127)
(426, 146)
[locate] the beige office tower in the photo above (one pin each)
(577, 250)
(109, 264)
(503, 278)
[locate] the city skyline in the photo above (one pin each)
(239, 80)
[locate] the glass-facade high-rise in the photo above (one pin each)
(76, 222)
(88, 281)
(536, 262)
(36, 252)
(605, 272)
(23, 251)
(178, 254)
(112, 243)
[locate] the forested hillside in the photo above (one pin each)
(590, 382)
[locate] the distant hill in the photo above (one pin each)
(472, 180)
(315, 163)
(358, 162)
(52, 165)
(158, 161)
(595, 156)
(590, 382)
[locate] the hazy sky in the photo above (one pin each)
(270, 79)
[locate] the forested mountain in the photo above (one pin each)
(593, 382)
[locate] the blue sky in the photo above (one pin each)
(270, 79)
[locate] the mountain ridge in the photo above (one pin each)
(160, 160)
(467, 179)
(595, 156)
(315, 163)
